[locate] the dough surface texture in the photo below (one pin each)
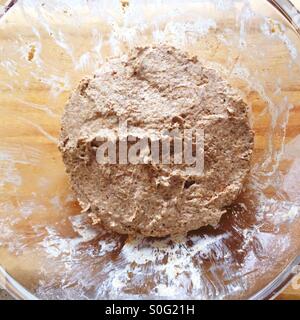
(155, 89)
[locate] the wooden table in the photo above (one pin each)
(290, 294)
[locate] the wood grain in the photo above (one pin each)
(290, 294)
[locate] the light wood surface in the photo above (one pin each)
(290, 294)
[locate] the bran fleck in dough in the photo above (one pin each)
(156, 88)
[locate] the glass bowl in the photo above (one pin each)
(48, 248)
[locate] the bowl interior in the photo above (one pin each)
(48, 246)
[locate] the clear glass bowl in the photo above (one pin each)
(47, 245)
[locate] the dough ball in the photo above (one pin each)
(155, 89)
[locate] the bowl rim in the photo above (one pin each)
(269, 292)
(289, 11)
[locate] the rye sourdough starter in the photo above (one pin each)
(154, 89)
